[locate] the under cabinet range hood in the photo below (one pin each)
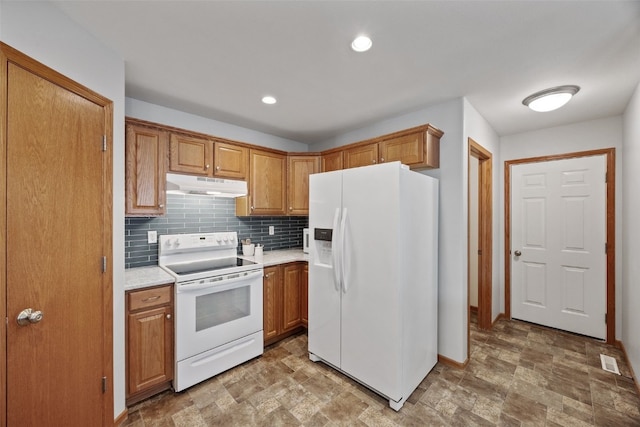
(190, 184)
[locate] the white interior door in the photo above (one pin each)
(558, 236)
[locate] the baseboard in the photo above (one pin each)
(121, 418)
(620, 345)
(450, 362)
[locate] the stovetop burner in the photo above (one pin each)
(209, 265)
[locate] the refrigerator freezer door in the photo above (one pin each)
(325, 198)
(371, 330)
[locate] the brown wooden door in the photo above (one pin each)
(300, 167)
(145, 156)
(332, 161)
(57, 231)
(272, 292)
(190, 155)
(408, 149)
(291, 297)
(268, 183)
(362, 155)
(231, 160)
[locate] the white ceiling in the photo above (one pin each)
(218, 58)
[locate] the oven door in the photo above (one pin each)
(212, 314)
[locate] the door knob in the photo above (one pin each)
(517, 253)
(28, 315)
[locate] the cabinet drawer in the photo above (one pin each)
(149, 298)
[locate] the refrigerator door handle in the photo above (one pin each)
(335, 250)
(344, 253)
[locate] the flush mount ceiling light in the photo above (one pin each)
(270, 100)
(550, 99)
(361, 44)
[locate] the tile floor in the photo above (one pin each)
(518, 375)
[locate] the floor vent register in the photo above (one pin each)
(609, 364)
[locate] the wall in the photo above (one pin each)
(583, 136)
(630, 287)
(41, 31)
(452, 239)
(478, 129)
(167, 116)
(205, 214)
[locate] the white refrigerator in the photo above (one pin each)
(373, 276)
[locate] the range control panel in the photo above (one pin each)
(198, 240)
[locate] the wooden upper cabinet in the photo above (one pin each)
(361, 155)
(332, 161)
(145, 158)
(418, 149)
(300, 167)
(190, 155)
(231, 161)
(267, 183)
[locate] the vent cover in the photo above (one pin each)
(609, 364)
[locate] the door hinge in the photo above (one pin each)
(104, 384)
(479, 251)
(605, 318)
(104, 264)
(104, 142)
(606, 248)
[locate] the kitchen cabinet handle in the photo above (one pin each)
(207, 167)
(381, 159)
(290, 208)
(168, 316)
(217, 168)
(373, 161)
(161, 205)
(151, 298)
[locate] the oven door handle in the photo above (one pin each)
(222, 285)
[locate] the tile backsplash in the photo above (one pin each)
(204, 214)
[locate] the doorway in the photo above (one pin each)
(56, 352)
(574, 276)
(479, 239)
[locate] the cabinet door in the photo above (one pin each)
(362, 155)
(408, 149)
(190, 155)
(146, 156)
(332, 161)
(272, 291)
(231, 160)
(267, 182)
(150, 348)
(291, 297)
(304, 295)
(300, 167)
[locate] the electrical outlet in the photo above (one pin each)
(272, 230)
(152, 236)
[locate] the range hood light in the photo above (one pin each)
(216, 187)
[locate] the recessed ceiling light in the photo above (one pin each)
(361, 44)
(269, 100)
(550, 99)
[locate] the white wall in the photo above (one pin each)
(452, 265)
(583, 136)
(167, 116)
(630, 280)
(478, 129)
(41, 31)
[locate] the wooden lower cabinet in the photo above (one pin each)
(149, 331)
(284, 300)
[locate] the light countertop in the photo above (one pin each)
(145, 277)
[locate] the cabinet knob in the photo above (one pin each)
(251, 207)
(381, 159)
(161, 205)
(168, 316)
(373, 161)
(290, 208)
(217, 168)
(207, 167)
